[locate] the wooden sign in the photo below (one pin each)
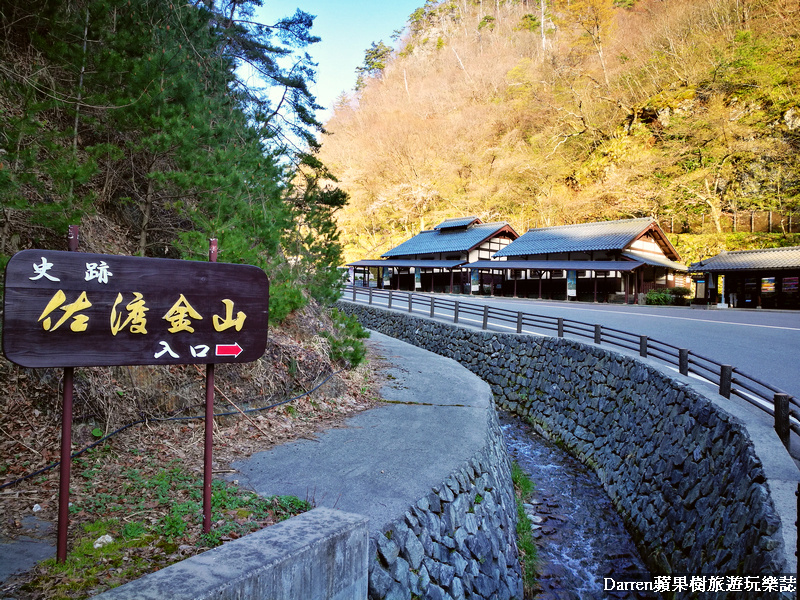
(70, 309)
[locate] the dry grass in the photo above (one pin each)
(106, 399)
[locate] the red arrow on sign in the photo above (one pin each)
(229, 349)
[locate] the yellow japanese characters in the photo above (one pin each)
(133, 316)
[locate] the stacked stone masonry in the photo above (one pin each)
(458, 541)
(680, 471)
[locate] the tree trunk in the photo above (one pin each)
(147, 210)
(541, 24)
(79, 97)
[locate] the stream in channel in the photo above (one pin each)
(579, 536)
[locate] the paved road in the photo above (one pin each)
(761, 343)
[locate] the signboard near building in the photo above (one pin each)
(70, 309)
(572, 284)
(475, 281)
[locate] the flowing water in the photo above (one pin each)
(580, 537)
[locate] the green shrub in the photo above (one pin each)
(683, 292)
(679, 295)
(346, 344)
(658, 297)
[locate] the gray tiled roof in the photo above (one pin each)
(459, 240)
(741, 260)
(436, 264)
(586, 237)
(654, 260)
(457, 222)
(555, 265)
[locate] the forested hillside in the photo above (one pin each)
(548, 112)
(139, 121)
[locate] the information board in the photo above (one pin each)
(572, 284)
(73, 309)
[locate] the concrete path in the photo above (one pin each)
(378, 464)
(37, 542)
(386, 458)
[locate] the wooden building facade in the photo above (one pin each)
(433, 260)
(611, 261)
(749, 278)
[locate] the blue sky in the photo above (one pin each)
(347, 29)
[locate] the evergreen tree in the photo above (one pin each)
(138, 109)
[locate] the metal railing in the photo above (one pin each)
(730, 380)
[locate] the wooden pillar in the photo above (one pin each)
(540, 284)
(594, 279)
(451, 281)
(627, 286)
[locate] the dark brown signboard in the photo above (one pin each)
(70, 309)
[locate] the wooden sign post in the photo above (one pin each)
(70, 309)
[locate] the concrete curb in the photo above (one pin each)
(318, 555)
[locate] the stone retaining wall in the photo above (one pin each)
(681, 471)
(458, 541)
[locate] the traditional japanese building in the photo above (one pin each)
(750, 278)
(605, 261)
(432, 260)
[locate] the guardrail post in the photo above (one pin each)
(643, 346)
(519, 322)
(432, 305)
(410, 302)
(370, 295)
(486, 316)
(455, 313)
(598, 334)
(782, 417)
(725, 380)
(390, 299)
(354, 292)
(560, 327)
(683, 361)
